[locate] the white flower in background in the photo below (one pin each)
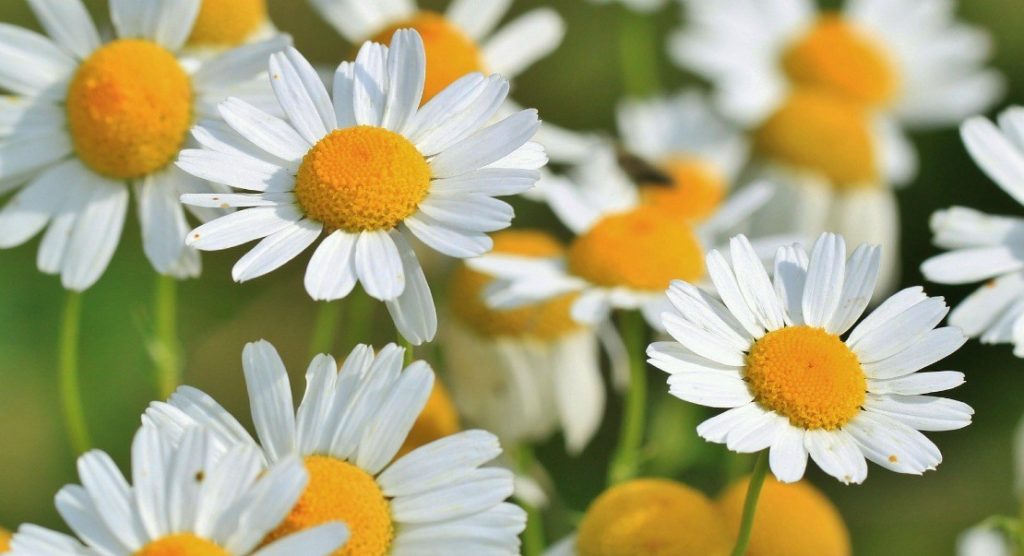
(348, 428)
(626, 249)
(223, 24)
(983, 247)
(87, 119)
(643, 6)
(366, 171)
(189, 495)
(542, 366)
(805, 81)
(774, 356)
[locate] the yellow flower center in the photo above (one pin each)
(823, 132)
(340, 491)
(224, 23)
(643, 249)
(696, 190)
(793, 519)
(546, 320)
(807, 375)
(450, 53)
(183, 544)
(129, 108)
(5, 540)
(437, 420)
(362, 178)
(654, 517)
(841, 58)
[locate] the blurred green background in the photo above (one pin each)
(577, 87)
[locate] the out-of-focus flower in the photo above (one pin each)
(189, 495)
(348, 428)
(533, 362)
(643, 6)
(5, 540)
(438, 419)
(223, 24)
(984, 247)
(87, 119)
(984, 540)
(648, 516)
(773, 355)
(366, 170)
(793, 519)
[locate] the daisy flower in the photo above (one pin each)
(775, 355)
(366, 170)
(983, 247)
(643, 6)
(188, 496)
(543, 366)
(804, 80)
(625, 250)
(223, 24)
(348, 428)
(87, 119)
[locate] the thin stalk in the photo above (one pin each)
(70, 390)
(534, 538)
(750, 504)
(167, 349)
(638, 53)
(626, 461)
(328, 314)
(410, 350)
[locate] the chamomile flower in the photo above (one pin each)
(779, 358)
(366, 170)
(648, 516)
(987, 248)
(348, 428)
(542, 365)
(88, 119)
(223, 24)
(188, 496)
(626, 248)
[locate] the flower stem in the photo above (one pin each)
(328, 314)
(533, 536)
(167, 349)
(410, 350)
(750, 504)
(638, 53)
(70, 391)
(359, 315)
(626, 461)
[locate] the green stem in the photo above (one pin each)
(626, 461)
(328, 314)
(360, 316)
(750, 504)
(70, 390)
(410, 350)
(167, 350)
(638, 53)
(533, 539)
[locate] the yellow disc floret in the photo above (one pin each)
(362, 178)
(340, 491)
(5, 540)
(791, 520)
(822, 132)
(654, 517)
(450, 53)
(643, 249)
(696, 190)
(437, 420)
(837, 56)
(807, 375)
(225, 23)
(546, 320)
(129, 108)
(183, 544)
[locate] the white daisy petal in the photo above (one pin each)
(703, 342)
(242, 227)
(965, 266)
(342, 91)
(754, 284)
(918, 383)
(477, 19)
(273, 414)
(267, 132)
(32, 64)
(96, 234)
(889, 309)
(472, 212)
(413, 312)
(893, 445)
(407, 68)
(331, 273)
(858, 287)
(236, 170)
(995, 154)
(75, 506)
(225, 72)
(900, 331)
(925, 413)
(788, 455)
(438, 463)
(712, 388)
(825, 276)
(755, 434)
(487, 145)
(454, 243)
(728, 289)
(322, 539)
(369, 96)
(790, 278)
(111, 495)
(302, 95)
(275, 250)
(929, 348)
(28, 212)
(237, 200)
(456, 112)
(28, 155)
(162, 218)
(477, 490)
(837, 453)
(379, 265)
(717, 428)
(702, 309)
(494, 182)
(523, 41)
(70, 25)
(981, 308)
(395, 416)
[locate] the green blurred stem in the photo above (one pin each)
(360, 317)
(70, 390)
(638, 53)
(750, 504)
(626, 461)
(410, 350)
(167, 350)
(534, 540)
(328, 314)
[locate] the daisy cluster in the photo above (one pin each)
(740, 235)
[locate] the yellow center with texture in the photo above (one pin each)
(653, 517)
(450, 53)
(225, 23)
(183, 544)
(807, 375)
(129, 109)
(643, 249)
(697, 189)
(340, 491)
(544, 320)
(838, 57)
(362, 178)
